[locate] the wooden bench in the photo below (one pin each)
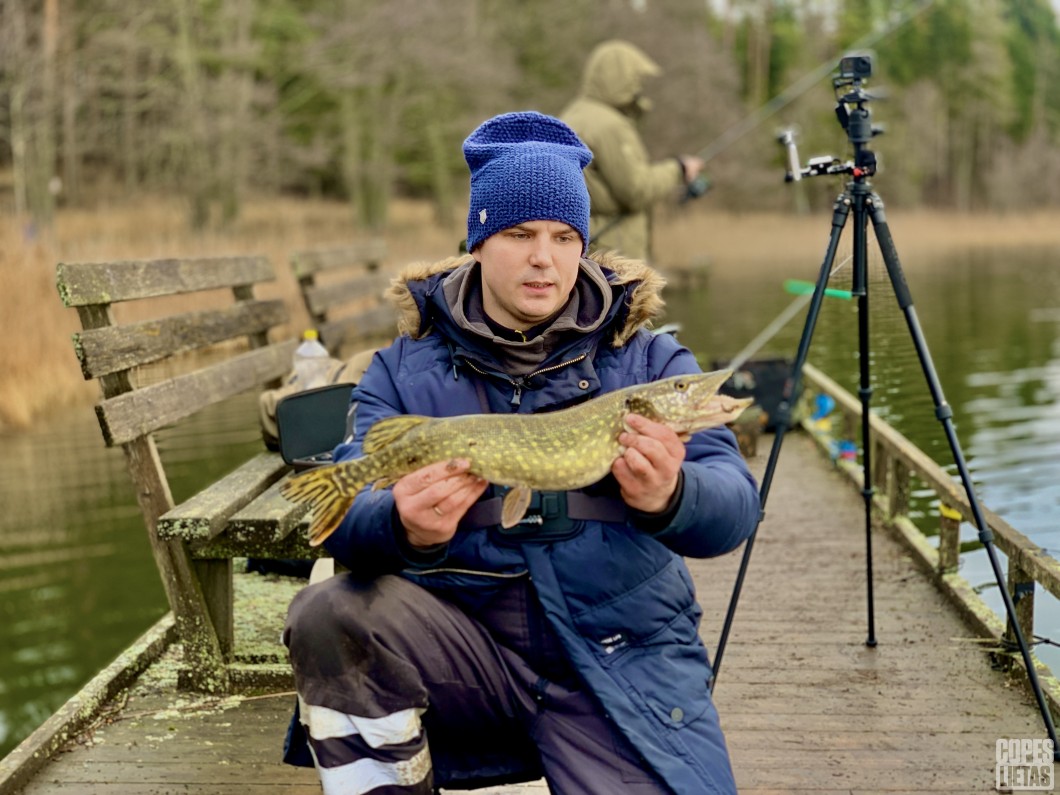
(342, 290)
(201, 357)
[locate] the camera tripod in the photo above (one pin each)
(859, 198)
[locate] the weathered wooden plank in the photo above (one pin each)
(215, 579)
(259, 676)
(246, 677)
(373, 323)
(82, 283)
(307, 784)
(307, 263)
(742, 724)
(860, 736)
(267, 519)
(259, 657)
(294, 546)
(183, 592)
(113, 348)
(320, 298)
(186, 771)
(898, 680)
(205, 515)
(145, 410)
(790, 775)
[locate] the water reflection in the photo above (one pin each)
(77, 579)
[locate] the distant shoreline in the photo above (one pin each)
(743, 239)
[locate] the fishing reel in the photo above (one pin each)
(696, 188)
(853, 116)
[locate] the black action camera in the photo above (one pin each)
(855, 67)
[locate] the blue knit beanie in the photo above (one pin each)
(525, 167)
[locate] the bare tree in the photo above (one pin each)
(31, 35)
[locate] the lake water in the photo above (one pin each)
(78, 584)
(77, 579)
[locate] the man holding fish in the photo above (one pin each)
(516, 604)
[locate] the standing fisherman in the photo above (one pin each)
(623, 182)
(456, 653)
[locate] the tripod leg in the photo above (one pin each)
(944, 414)
(841, 210)
(861, 290)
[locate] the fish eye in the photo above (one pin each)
(680, 386)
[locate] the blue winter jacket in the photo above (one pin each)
(619, 597)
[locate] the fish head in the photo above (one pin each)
(687, 403)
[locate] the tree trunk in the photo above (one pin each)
(198, 178)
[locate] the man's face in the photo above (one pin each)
(528, 271)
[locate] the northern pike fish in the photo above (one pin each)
(554, 451)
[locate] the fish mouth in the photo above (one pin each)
(716, 410)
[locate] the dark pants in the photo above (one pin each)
(392, 665)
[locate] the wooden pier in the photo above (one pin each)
(806, 706)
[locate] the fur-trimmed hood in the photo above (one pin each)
(644, 301)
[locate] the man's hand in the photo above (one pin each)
(432, 500)
(647, 472)
(692, 167)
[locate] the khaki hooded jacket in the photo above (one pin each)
(623, 182)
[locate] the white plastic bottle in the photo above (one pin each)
(311, 361)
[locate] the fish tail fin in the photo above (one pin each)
(329, 491)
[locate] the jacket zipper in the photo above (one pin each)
(517, 383)
(498, 575)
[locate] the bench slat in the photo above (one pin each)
(267, 519)
(373, 323)
(145, 410)
(84, 283)
(321, 297)
(307, 263)
(204, 515)
(113, 348)
(293, 546)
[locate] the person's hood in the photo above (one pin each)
(615, 73)
(643, 301)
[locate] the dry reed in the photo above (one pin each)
(39, 374)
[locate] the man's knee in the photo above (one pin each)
(339, 606)
(345, 621)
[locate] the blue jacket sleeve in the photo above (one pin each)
(719, 506)
(366, 542)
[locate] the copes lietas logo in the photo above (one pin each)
(1024, 765)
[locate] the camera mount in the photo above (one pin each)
(854, 117)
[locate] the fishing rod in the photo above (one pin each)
(700, 185)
